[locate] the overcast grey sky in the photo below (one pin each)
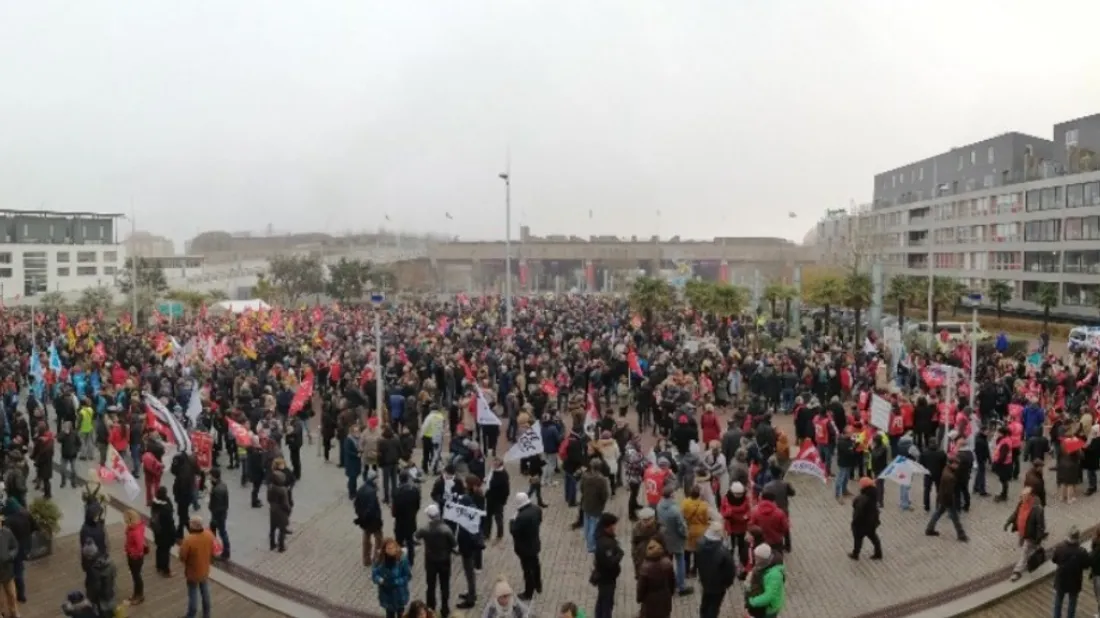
(324, 116)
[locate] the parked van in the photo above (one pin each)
(956, 331)
(1084, 339)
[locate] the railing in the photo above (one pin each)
(1016, 266)
(1093, 269)
(1042, 268)
(1007, 238)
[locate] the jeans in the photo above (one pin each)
(353, 480)
(825, 451)
(979, 479)
(1091, 476)
(591, 522)
(468, 569)
(550, 467)
(389, 481)
(217, 528)
(681, 569)
(710, 605)
(570, 489)
(19, 569)
(605, 600)
(1070, 600)
(905, 505)
(135, 457)
(841, 481)
(68, 471)
(194, 590)
(786, 400)
(952, 514)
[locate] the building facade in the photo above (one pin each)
(146, 245)
(1013, 208)
(46, 251)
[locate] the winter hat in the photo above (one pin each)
(432, 511)
(737, 489)
(646, 513)
(501, 589)
(866, 482)
(372, 422)
(522, 500)
(762, 552)
(714, 531)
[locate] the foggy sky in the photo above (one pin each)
(327, 116)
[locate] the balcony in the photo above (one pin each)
(1088, 269)
(1013, 266)
(1008, 238)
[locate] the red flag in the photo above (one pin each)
(632, 362)
(301, 396)
(471, 377)
(443, 325)
(62, 322)
(549, 388)
(591, 412)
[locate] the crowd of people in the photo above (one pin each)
(689, 415)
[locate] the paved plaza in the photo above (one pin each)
(323, 555)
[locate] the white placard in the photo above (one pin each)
(528, 444)
(466, 516)
(485, 415)
(880, 413)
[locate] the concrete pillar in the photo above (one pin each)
(724, 272)
(524, 275)
(589, 276)
(757, 290)
(874, 320)
(796, 304)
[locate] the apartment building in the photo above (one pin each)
(1016, 208)
(45, 251)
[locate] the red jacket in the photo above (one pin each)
(153, 468)
(736, 515)
(772, 522)
(711, 431)
(119, 437)
(135, 540)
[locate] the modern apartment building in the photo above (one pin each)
(1016, 208)
(44, 251)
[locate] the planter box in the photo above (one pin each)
(41, 546)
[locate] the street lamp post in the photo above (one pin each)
(507, 178)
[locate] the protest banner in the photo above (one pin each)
(528, 444)
(203, 443)
(468, 517)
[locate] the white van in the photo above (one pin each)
(956, 331)
(1084, 338)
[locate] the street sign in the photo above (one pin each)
(506, 331)
(172, 309)
(377, 298)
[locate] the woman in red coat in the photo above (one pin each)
(736, 508)
(708, 424)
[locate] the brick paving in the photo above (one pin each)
(323, 557)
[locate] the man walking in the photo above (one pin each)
(946, 502)
(219, 509)
(607, 565)
(439, 543)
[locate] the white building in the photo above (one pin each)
(43, 251)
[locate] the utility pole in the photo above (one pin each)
(506, 176)
(135, 286)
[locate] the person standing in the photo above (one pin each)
(389, 454)
(946, 503)
(351, 460)
(392, 573)
(135, 554)
(674, 529)
(368, 516)
(196, 554)
(595, 492)
(498, 488)
(607, 565)
(279, 504)
(1071, 561)
(717, 570)
(527, 544)
(404, 508)
(656, 582)
(9, 549)
(219, 510)
(865, 519)
(162, 521)
(439, 543)
(294, 434)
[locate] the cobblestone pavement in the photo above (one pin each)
(324, 555)
(1038, 600)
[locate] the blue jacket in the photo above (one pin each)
(397, 406)
(393, 584)
(551, 438)
(1033, 420)
(352, 462)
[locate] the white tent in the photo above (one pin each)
(240, 306)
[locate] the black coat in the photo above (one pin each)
(404, 506)
(498, 491)
(607, 564)
(865, 515)
(439, 541)
(524, 528)
(1072, 560)
(368, 511)
(715, 565)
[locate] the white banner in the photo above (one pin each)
(880, 413)
(466, 516)
(485, 414)
(528, 444)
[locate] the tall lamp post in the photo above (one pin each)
(507, 178)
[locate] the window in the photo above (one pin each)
(987, 182)
(960, 162)
(1071, 138)
(893, 181)
(63, 271)
(1075, 196)
(110, 256)
(5, 257)
(989, 155)
(85, 257)
(901, 178)
(1083, 228)
(63, 257)
(973, 157)
(109, 270)
(85, 271)
(921, 174)
(5, 273)
(1050, 198)
(1092, 194)
(1048, 230)
(1033, 200)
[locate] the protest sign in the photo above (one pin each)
(203, 445)
(880, 413)
(468, 517)
(528, 444)
(485, 414)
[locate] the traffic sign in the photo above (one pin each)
(377, 298)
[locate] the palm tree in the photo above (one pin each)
(826, 292)
(857, 296)
(699, 294)
(904, 291)
(727, 300)
(52, 301)
(945, 295)
(773, 293)
(1000, 292)
(1047, 297)
(651, 297)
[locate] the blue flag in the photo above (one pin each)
(39, 384)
